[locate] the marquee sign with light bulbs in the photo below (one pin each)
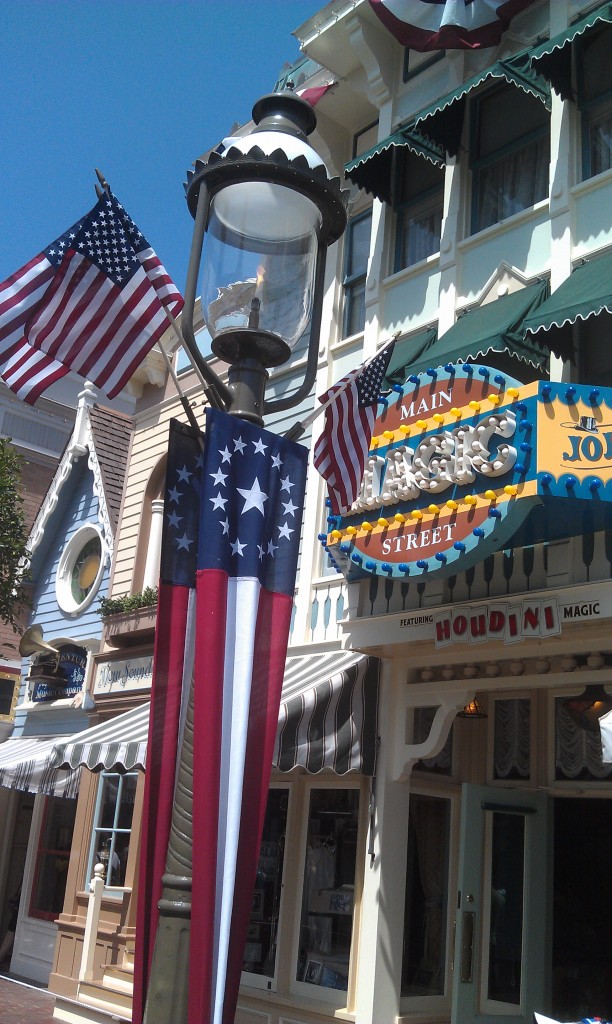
(460, 458)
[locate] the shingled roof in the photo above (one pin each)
(112, 432)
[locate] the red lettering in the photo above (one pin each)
(531, 617)
(460, 624)
(478, 625)
(549, 616)
(497, 621)
(512, 624)
(442, 630)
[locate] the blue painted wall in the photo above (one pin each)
(77, 506)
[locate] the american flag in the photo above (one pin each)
(229, 557)
(92, 302)
(447, 24)
(341, 451)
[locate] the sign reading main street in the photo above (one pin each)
(460, 459)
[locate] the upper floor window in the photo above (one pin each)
(418, 205)
(356, 252)
(510, 154)
(595, 100)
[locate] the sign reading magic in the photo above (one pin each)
(464, 461)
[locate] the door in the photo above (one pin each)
(500, 961)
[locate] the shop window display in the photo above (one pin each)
(329, 886)
(260, 950)
(113, 825)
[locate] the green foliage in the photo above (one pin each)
(129, 603)
(13, 535)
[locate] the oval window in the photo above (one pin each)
(80, 570)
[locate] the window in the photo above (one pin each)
(510, 154)
(578, 753)
(512, 739)
(357, 250)
(418, 207)
(9, 691)
(365, 139)
(260, 950)
(426, 910)
(52, 857)
(595, 101)
(80, 570)
(326, 923)
(112, 825)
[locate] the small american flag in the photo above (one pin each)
(447, 24)
(341, 451)
(92, 302)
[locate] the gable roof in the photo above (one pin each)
(104, 435)
(112, 433)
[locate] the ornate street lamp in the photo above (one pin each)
(269, 211)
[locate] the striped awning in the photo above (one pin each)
(119, 744)
(27, 764)
(327, 720)
(329, 714)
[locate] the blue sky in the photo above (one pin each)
(139, 88)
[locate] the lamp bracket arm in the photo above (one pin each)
(218, 394)
(291, 401)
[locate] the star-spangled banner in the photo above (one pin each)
(425, 25)
(231, 538)
(93, 302)
(340, 452)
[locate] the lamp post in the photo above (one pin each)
(269, 211)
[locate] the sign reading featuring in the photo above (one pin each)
(460, 458)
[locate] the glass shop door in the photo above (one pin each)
(500, 958)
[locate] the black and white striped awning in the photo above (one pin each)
(120, 743)
(327, 720)
(329, 714)
(27, 764)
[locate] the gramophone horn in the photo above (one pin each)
(32, 642)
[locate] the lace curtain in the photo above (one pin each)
(513, 183)
(511, 744)
(577, 752)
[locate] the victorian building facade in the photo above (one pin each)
(436, 873)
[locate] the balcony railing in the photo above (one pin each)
(511, 572)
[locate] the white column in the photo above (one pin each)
(151, 572)
(377, 996)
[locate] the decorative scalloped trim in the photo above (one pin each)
(74, 450)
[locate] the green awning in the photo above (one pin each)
(442, 121)
(495, 327)
(586, 292)
(553, 59)
(406, 352)
(373, 171)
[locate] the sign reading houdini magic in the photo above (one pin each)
(459, 460)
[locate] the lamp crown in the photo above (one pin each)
(284, 112)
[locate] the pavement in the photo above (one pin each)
(21, 1002)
